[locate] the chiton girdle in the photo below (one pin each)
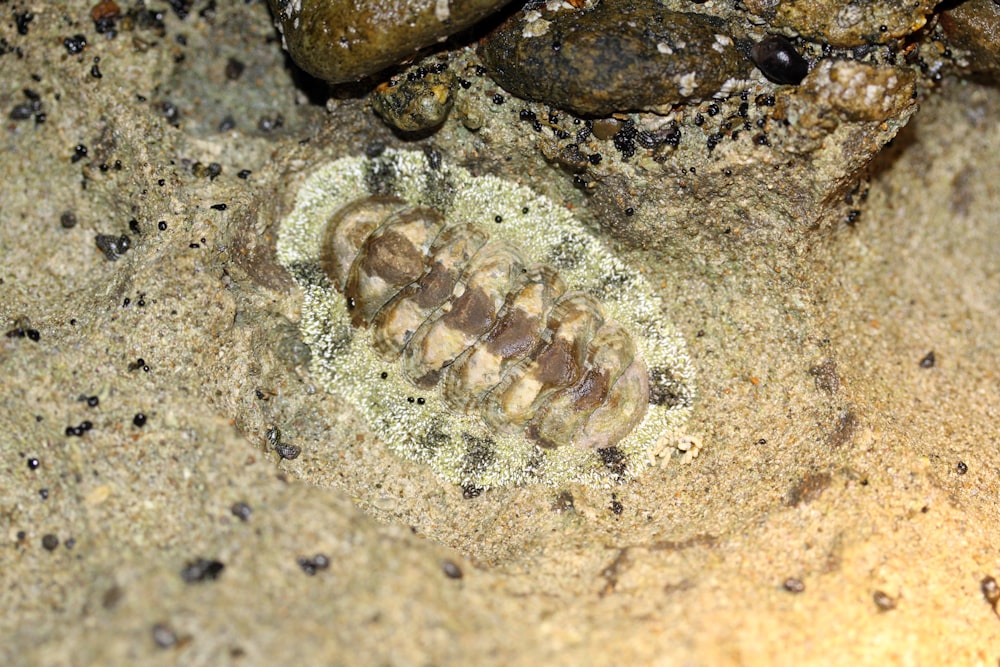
(403, 403)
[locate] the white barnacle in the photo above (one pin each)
(425, 425)
(722, 42)
(849, 15)
(687, 83)
(534, 24)
(664, 48)
(732, 86)
(442, 10)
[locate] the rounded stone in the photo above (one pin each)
(972, 27)
(845, 24)
(340, 41)
(593, 62)
(416, 100)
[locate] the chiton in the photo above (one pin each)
(479, 327)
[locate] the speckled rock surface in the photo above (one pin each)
(418, 99)
(973, 28)
(345, 40)
(845, 23)
(592, 62)
(843, 508)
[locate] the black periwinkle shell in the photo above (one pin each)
(779, 61)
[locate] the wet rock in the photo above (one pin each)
(418, 99)
(844, 91)
(845, 24)
(861, 92)
(594, 62)
(974, 27)
(340, 41)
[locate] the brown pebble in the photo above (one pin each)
(883, 601)
(104, 10)
(451, 569)
(605, 128)
(991, 590)
(416, 100)
(346, 40)
(593, 62)
(794, 585)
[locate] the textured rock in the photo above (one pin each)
(844, 91)
(593, 62)
(340, 41)
(845, 24)
(974, 27)
(854, 91)
(416, 100)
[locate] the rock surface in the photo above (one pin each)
(594, 63)
(345, 40)
(974, 29)
(845, 23)
(177, 490)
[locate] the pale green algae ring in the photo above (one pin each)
(417, 424)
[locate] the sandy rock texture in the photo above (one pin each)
(177, 489)
(845, 23)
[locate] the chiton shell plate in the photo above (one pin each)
(365, 352)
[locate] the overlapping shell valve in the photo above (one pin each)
(479, 327)
(498, 336)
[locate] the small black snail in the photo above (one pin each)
(779, 61)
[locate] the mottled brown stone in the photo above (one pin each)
(974, 27)
(345, 40)
(593, 62)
